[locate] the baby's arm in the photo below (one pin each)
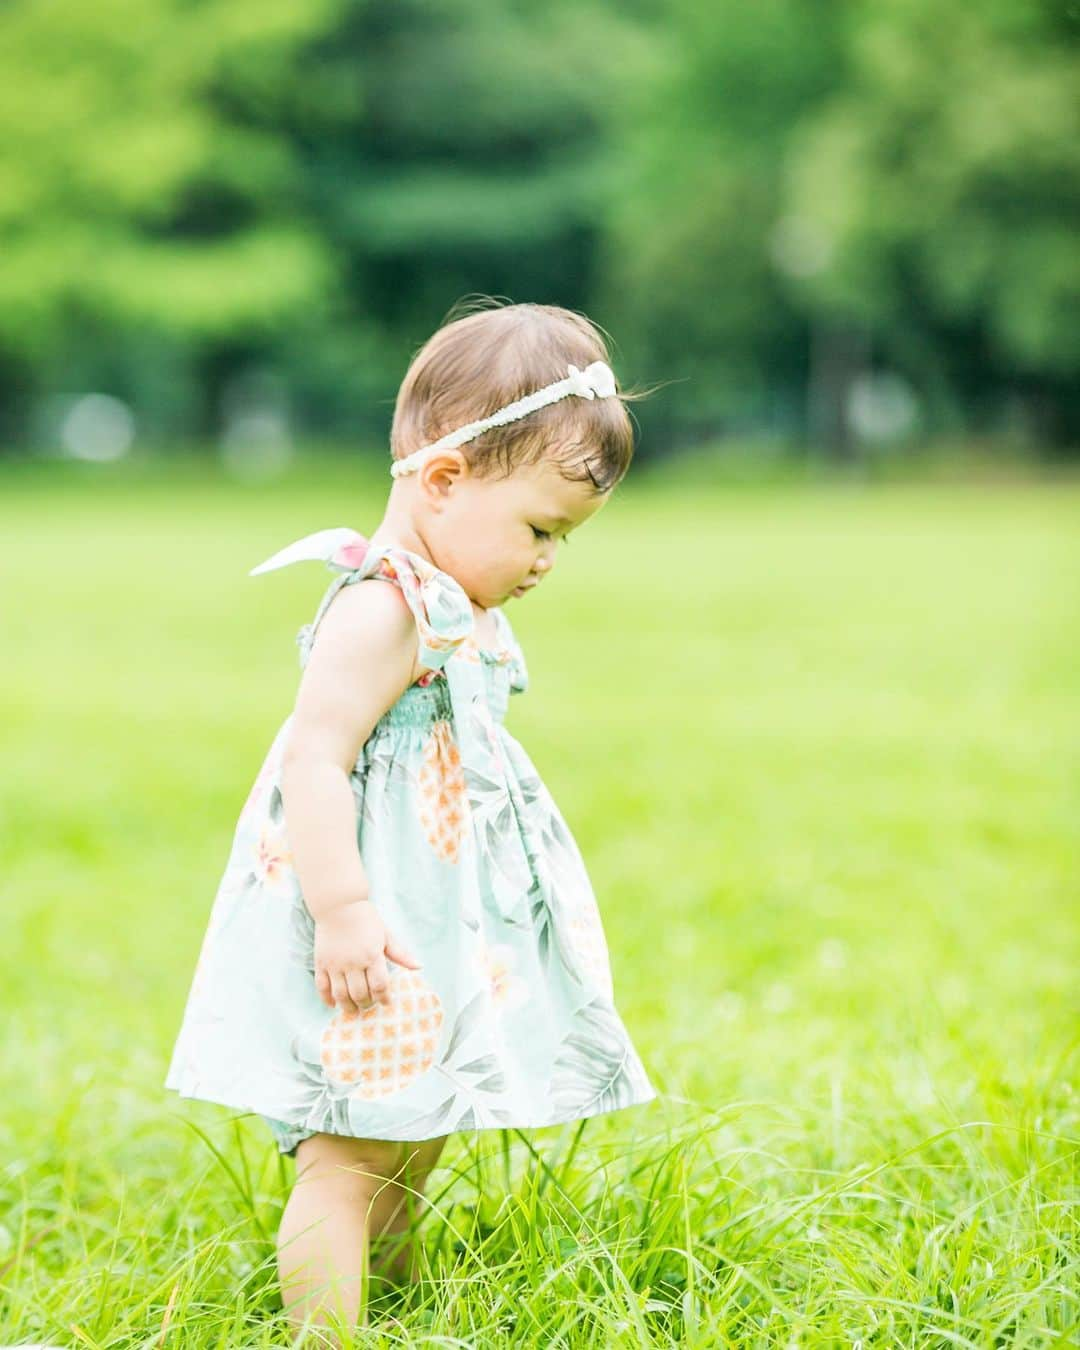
(362, 659)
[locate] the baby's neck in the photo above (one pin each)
(401, 533)
(394, 530)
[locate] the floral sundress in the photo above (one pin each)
(511, 1021)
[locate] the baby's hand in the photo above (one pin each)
(351, 947)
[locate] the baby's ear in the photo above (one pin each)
(443, 471)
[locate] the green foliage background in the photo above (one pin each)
(758, 202)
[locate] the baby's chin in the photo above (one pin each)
(518, 593)
(483, 600)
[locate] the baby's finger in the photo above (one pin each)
(322, 988)
(342, 997)
(358, 988)
(378, 978)
(397, 952)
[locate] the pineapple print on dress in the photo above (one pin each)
(381, 1051)
(441, 802)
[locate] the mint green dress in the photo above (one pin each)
(512, 1020)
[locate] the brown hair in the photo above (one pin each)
(487, 354)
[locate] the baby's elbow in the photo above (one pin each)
(303, 756)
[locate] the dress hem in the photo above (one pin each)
(248, 1109)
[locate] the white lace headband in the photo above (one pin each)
(595, 381)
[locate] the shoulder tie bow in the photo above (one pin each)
(442, 610)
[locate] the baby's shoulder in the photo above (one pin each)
(365, 619)
(359, 660)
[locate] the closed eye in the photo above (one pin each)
(546, 534)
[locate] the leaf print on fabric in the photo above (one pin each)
(336, 1117)
(387, 1046)
(441, 802)
(571, 929)
(502, 850)
(432, 1123)
(557, 954)
(445, 1118)
(596, 1069)
(301, 943)
(519, 672)
(386, 779)
(576, 930)
(476, 1080)
(358, 784)
(265, 778)
(467, 1020)
(378, 761)
(486, 1069)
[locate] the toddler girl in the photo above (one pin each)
(405, 942)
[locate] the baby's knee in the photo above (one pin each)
(360, 1165)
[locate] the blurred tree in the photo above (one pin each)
(689, 267)
(805, 191)
(941, 189)
(761, 203)
(206, 188)
(136, 214)
(448, 148)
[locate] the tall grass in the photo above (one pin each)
(820, 748)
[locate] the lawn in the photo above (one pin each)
(820, 747)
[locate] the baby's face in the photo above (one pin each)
(494, 536)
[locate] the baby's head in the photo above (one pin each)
(491, 511)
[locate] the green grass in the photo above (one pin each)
(820, 747)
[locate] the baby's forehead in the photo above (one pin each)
(542, 482)
(558, 500)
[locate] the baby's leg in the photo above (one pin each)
(397, 1208)
(346, 1190)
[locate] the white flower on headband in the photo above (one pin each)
(595, 379)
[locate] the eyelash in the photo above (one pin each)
(545, 534)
